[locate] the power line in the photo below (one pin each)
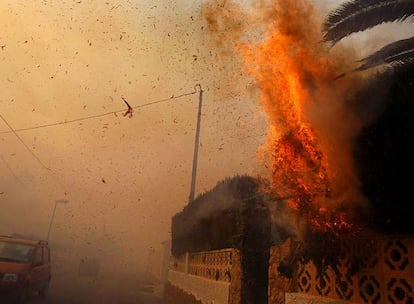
(14, 131)
(23, 143)
(56, 179)
(49, 171)
(98, 115)
(11, 170)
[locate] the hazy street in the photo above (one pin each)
(107, 289)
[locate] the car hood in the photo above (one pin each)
(14, 267)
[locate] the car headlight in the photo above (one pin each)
(10, 277)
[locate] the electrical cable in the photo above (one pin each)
(99, 115)
(23, 143)
(14, 131)
(11, 170)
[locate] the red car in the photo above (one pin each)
(24, 268)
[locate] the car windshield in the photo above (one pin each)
(14, 252)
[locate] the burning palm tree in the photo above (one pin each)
(360, 15)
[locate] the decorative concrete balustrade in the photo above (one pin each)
(205, 277)
(386, 275)
(213, 265)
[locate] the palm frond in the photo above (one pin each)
(359, 15)
(397, 53)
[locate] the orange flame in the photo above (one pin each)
(311, 128)
(290, 66)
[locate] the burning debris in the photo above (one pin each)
(130, 110)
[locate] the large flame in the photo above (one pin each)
(310, 126)
(290, 66)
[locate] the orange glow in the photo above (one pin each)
(290, 65)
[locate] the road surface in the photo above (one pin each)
(107, 288)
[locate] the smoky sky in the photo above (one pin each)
(64, 60)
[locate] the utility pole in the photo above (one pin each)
(196, 145)
(53, 215)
